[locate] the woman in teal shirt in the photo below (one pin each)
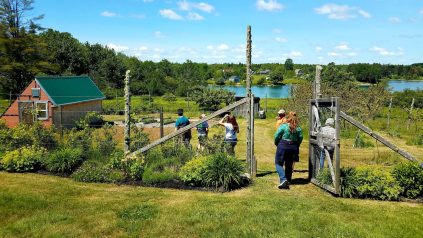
(288, 138)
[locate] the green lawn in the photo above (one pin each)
(34, 205)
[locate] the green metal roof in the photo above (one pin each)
(63, 90)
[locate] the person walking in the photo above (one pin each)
(181, 122)
(288, 139)
(281, 119)
(203, 131)
(328, 137)
(231, 126)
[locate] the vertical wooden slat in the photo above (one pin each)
(337, 147)
(127, 114)
(248, 88)
(161, 123)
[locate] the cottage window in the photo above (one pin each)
(35, 92)
(42, 110)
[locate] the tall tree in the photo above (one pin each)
(289, 64)
(22, 52)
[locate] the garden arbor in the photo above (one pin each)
(249, 100)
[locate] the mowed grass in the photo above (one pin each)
(33, 205)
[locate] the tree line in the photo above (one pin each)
(27, 50)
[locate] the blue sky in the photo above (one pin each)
(308, 31)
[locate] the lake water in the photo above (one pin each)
(283, 91)
(280, 91)
(401, 85)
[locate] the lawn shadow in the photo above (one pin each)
(264, 173)
(299, 181)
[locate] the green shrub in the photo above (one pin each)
(369, 183)
(349, 182)
(78, 138)
(24, 159)
(325, 177)
(153, 176)
(416, 140)
(94, 173)
(223, 171)
(105, 141)
(91, 119)
(410, 178)
(170, 97)
(132, 168)
(139, 138)
(64, 160)
(361, 142)
(27, 135)
(42, 136)
(193, 171)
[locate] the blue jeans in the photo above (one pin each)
(323, 156)
(286, 154)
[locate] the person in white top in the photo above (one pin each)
(231, 126)
(328, 137)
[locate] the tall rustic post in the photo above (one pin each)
(161, 123)
(127, 113)
(410, 114)
(337, 151)
(389, 113)
(317, 82)
(248, 84)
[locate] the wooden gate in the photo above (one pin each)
(318, 147)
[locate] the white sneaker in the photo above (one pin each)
(284, 184)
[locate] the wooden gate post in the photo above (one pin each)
(248, 85)
(161, 123)
(127, 114)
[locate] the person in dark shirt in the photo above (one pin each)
(181, 122)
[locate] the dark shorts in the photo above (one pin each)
(287, 151)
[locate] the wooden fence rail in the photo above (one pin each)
(190, 126)
(378, 137)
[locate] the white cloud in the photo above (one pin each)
(421, 11)
(269, 5)
(222, 47)
(364, 13)
(117, 48)
(384, 52)
(108, 14)
(143, 48)
(334, 54)
(204, 7)
(281, 40)
(341, 12)
(188, 6)
(148, 0)
(210, 47)
(170, 14)
(394, 20)
(342, 46)
(159, 50)
(352, 54)
(193, 16)
(293, 54)
(318, 48)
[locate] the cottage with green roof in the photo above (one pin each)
(55, 100)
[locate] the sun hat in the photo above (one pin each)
(281, 111)
(329, 122)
